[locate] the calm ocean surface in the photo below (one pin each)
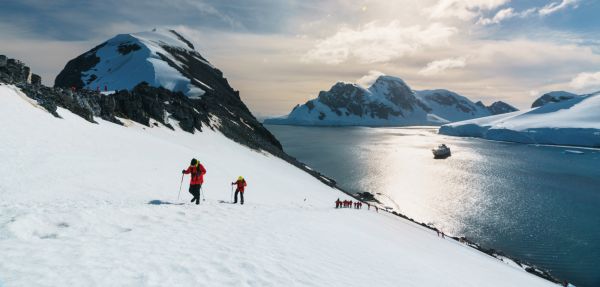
(538, 203)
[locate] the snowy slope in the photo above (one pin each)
(451, 106)
(570, 122)
(389, 101)
(74, 212)
(157, 57)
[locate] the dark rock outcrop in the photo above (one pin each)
(70, 76)
(36, 79)
(552, 97)
(13, 71)
(146, 105)
(498, 107)
(501, 107)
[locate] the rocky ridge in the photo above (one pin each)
(389, 101)
(149, 106)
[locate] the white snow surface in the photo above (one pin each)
(116, 71)
(74, 212)
(570, 122)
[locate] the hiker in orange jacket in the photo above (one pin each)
(241, 186)
(197, 170)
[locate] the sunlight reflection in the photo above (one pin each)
(415, 183)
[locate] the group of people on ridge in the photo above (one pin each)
(355, 204)
(347, 204)
(197, 171)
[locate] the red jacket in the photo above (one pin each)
(241, 185)
(197, 174)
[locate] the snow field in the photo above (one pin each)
(570, 122)
(74, 211)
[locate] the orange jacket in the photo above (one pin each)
(241, 185)
(197, 172)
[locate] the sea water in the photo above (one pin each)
(537, 203)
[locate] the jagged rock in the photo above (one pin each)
(70, 76)
(501, 107)
(13, 71)
(388, 101)
(36, 79)
(552, 97)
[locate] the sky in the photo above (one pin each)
(279, 53)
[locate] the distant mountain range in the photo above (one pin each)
(389, 101)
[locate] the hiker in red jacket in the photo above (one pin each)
(197, 170)
(338, 203)
(241, 185)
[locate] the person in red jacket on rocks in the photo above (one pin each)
(241, 185)
(197, 170)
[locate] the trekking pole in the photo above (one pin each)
(232, 193)
(202, 194)
(180, 184)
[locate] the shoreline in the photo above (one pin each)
(438, 132)
(497, 254)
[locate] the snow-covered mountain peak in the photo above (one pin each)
(390, 84)
(161, 37)
(394, 90)
(388, 101)
(345, 85)
(162, 58)
(388, 80)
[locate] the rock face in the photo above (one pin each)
(501, 107)
(450, 105)
(150, 105)
(388, 102)
(13, 71)
(158, 75)
(161, 58)
(498, 107)
(552, 97)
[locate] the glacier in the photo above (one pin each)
(574, 121)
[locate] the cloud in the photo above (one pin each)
(370, 78)
(499, 17)
(377, 43)
(508, 13)
(557, 6)
(436, 67)
(261, 49)
(586, 81)
(463, 9)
